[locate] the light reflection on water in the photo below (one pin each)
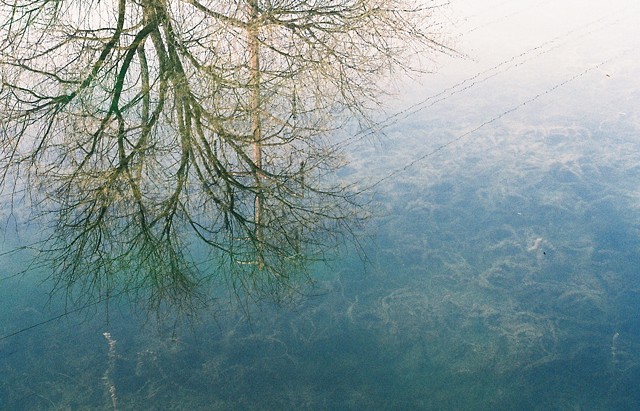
(502, 276)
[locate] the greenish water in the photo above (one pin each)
(489, 287)
(503, 268)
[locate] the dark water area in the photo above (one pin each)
(502, 272)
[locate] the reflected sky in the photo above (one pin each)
(547, 63)
(505, 255)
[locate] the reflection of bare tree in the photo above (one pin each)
(171, 138)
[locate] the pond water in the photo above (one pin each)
(503, 255)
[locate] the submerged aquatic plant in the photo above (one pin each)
(108, 374)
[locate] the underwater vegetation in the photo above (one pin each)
(511, 286)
